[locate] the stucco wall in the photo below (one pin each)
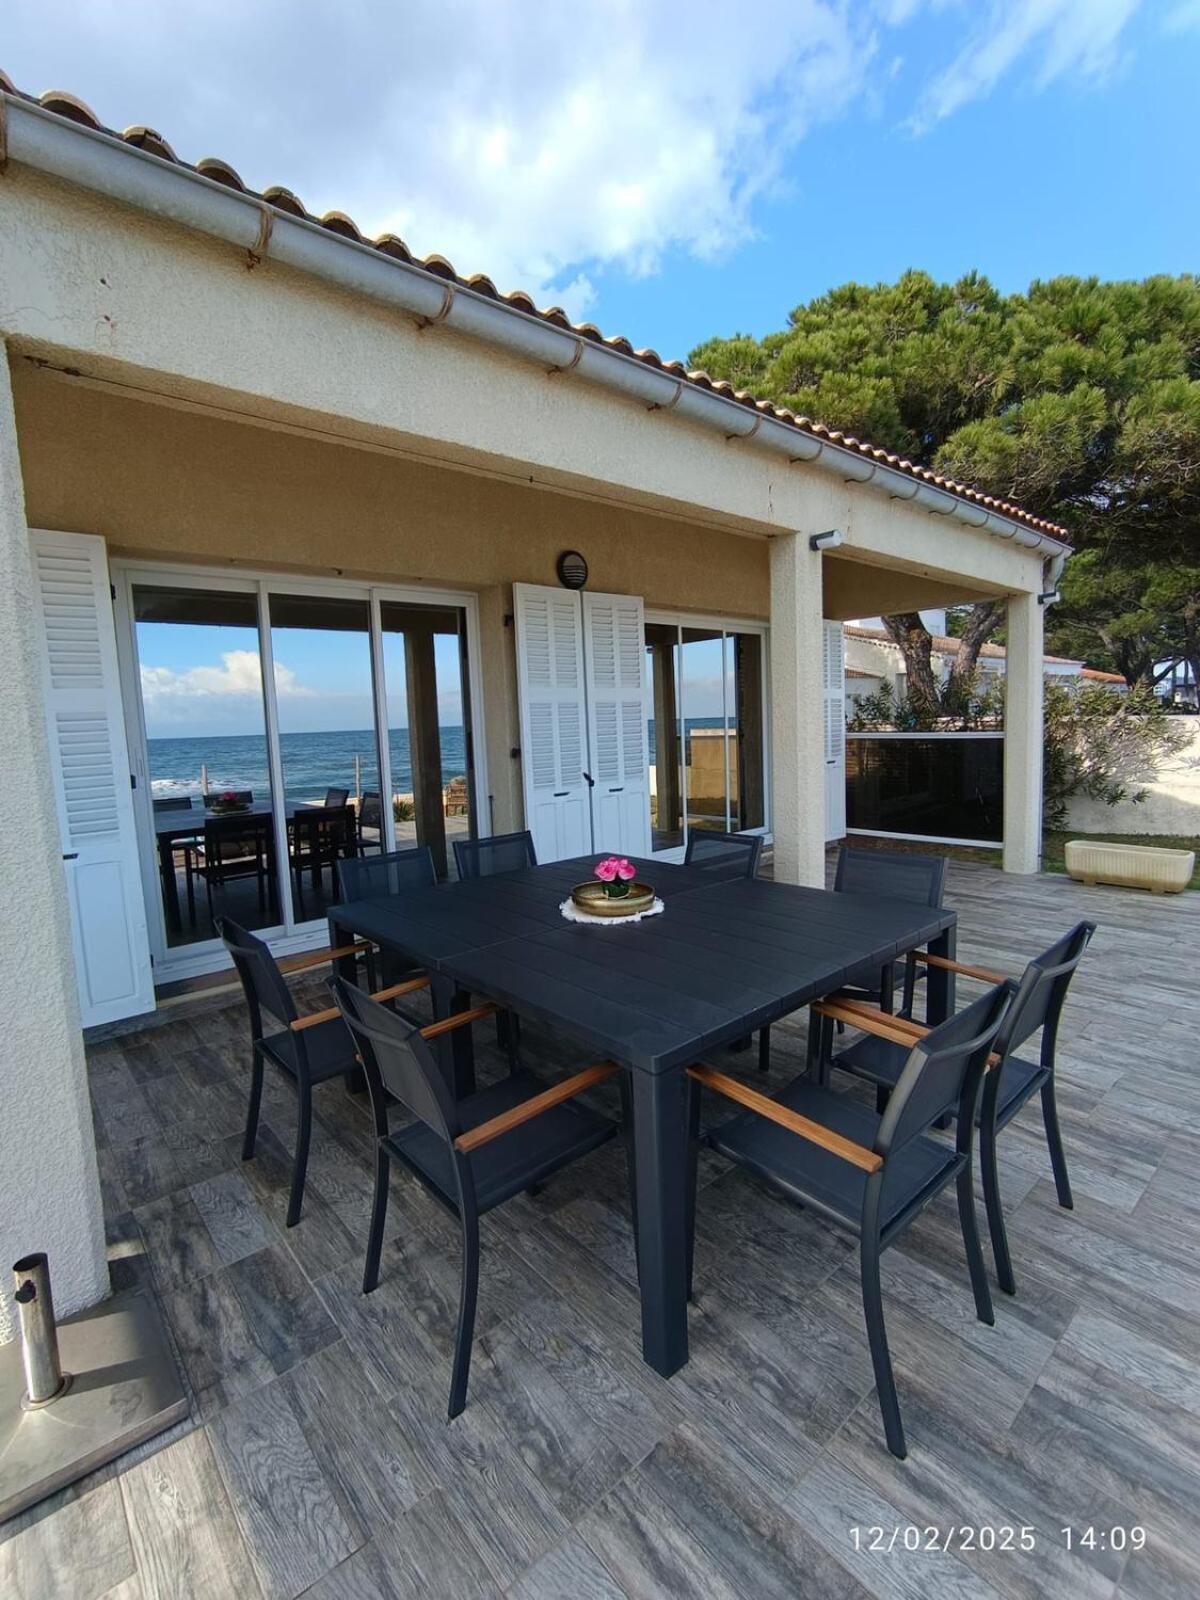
(49, 1189)
(1171, 806)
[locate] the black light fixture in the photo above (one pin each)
(572, 570)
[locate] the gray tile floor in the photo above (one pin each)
(317, 1459)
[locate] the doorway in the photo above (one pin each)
(280, 728)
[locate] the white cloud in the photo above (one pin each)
(238, 676)
(538, 142)
(528, 140)
(1046, 39)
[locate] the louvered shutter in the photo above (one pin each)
(550, 677)
(90, 768)
(835, 731)
(615, 650)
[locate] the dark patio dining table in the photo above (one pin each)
(725, 957)
(172, 826)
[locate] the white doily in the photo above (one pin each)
(573, 914)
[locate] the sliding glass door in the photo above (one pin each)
(707, 729)
(279, 728)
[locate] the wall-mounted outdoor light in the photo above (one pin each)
(827, 541)
(572, 570)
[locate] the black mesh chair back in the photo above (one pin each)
(370, 810)
(262, 982)
(1042, 991)
(368, 877)
(236, 845)
(177, 803)
(336, 798)
(241, 797)
(891, 874)
(397, 1059)
(726, 855)
(944, 1070)
(502, 852)
(324, 833)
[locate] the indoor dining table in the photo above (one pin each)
(726, 956)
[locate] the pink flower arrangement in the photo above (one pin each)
(616, 874)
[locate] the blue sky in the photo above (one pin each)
(668, 170)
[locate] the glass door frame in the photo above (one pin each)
(681, 621)
(287, 937)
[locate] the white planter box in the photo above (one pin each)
(1136, 866)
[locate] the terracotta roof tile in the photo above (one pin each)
(147, 139)
(944, 644)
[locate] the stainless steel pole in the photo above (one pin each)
(44, 1377)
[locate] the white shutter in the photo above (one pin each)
(615, 646)
(90, 768)
(835, 731)
(550, 679)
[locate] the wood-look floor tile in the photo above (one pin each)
(289, 1515)
(282, 1307)
(77, 1543)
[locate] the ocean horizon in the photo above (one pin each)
(312, 762)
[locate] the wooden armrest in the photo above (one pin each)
(317, 958)
(899, 1030)
(981, 974)
(861, 1010)
(460, 1019)
(858, 1155)
(528, 1109)
(880, 1023)
(390, 993)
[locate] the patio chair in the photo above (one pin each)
(321, 837)
(894, 875)
(370, 822)
(241, 797)
(306, 1050)
(238, 847)
(360, 878)
(190, 848)
(501, 852)
(880, 1054)
(725, 855)
(335, 799)
(872, 1174)
(472, 1154)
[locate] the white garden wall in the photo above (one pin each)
(1171, 806)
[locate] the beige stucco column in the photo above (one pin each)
(797, 712)
(49, 1189)
(1023, 735)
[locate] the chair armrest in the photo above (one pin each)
(407, 987)
(317, 958)
(858, 1155)
(900, 1030)
(528, 1109)
(881, 1023)
(980, 974)
(460, 1019)
(864, 1016)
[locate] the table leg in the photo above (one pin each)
(660, 1135)
(166, 871)
(355, 1081)
(939, 984)
(455, 1050)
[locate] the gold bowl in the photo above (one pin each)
(591, 897)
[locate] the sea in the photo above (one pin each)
(312, 762)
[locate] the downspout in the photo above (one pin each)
(106, 164)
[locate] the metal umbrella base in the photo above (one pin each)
(124, 1388)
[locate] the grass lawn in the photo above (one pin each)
(1053, 848)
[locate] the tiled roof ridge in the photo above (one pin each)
(945, 644)
(62, 104)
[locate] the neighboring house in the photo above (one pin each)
(872, 652)
(222, 416)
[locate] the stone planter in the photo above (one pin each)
(1134, 866)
